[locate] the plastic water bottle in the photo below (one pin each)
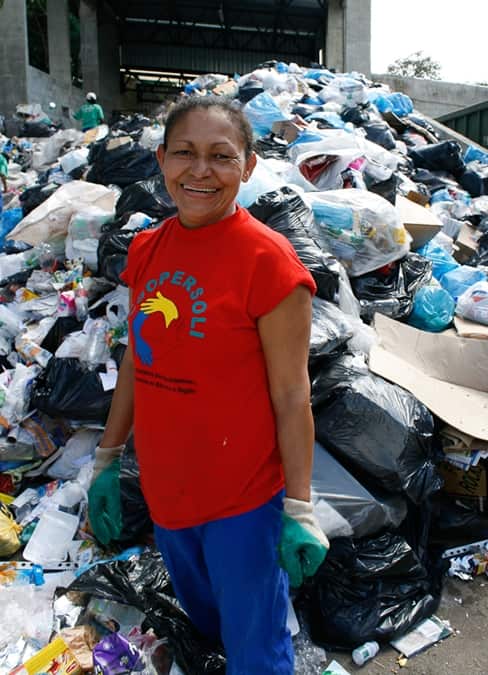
(97, 347)
(365, 652)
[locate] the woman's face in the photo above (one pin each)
(203, 166)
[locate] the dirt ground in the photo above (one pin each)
(465, 606)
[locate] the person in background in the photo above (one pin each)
(214, 382)
(3, 176)
(90, 114)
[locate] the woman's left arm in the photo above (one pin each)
(285, 336)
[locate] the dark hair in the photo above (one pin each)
(191, 103)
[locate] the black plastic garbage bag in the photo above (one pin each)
(366, 512)
(379, 132)
(384, 188)
(378, 431)
(370, 589)
(36, 130)
(391, 291)
(33, 196)
(132, 125)
(443, 156)
(474, 182)
(249, 90)
(330, 328)
(149, 196)
(271, 146)
(135, 517)
(112, 253)
(122, 165)
(285, 211)
(58, 331)
(144, 582)
(65, 388)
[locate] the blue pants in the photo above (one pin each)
(226, 576)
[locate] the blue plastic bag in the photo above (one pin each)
(8, 220)
(460, 279)
(262, 111)
(433, 309)
(475, 154)
(442, 261)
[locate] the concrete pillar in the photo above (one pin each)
(357, 36)
(89, 46)
(14, 55)
(334, 46)
(59, 42)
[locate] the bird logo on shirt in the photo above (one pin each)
(170, 313)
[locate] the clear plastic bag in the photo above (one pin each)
(361, 229)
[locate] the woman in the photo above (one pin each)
(216, 386)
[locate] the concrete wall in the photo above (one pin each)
(13, 55)
(22, 83)
(433, 97)
(43, 89)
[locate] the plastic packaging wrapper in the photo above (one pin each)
(330, 329)
(390, 291)
(362, 230)
(149, 196)
(370, 589)
(15, 405)
(378, 431)
(121, 165)
(286, 212)
(115, 655)
(473, 303)
(443, 156)
(144, 583)
(50, 220)
(67, 389)
(433, 309)
(365, 512)
(77, 451)
(29, 612)
(457, 281)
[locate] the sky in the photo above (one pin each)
(452, 32)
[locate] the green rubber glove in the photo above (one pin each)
(303, 544)
(104, 509)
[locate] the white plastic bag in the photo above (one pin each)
(74, 159)
(49, 221)
(473, 303)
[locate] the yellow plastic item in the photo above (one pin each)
(9, 532)
(54, 659)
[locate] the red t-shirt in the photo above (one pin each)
(204, 425)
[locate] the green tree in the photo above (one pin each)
(416, 65)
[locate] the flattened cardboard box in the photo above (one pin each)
(419, 221)
(449, 374)
(471, 483)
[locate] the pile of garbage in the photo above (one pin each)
(392, 222)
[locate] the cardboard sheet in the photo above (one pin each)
(419, 221)
(470, 329)
(447, 373)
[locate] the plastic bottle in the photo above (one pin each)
(81, 300)
(98, 350)
(365, 652)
